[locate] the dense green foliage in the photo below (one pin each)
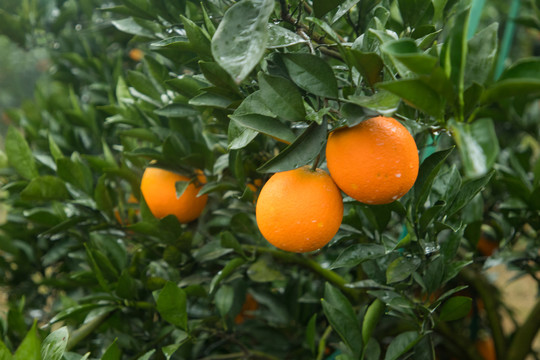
(243, 89)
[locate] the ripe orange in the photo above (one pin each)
(136, 54)
(159, 191)
(299, 210)
(486, 245)
(249, 306)
(374, 162)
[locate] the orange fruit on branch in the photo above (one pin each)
(299, 210)
(374, 162)
(158, 187)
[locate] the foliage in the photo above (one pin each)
(242, 90)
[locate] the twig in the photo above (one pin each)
(85, 330)
(312, 265)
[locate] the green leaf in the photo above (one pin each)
(467, 192)
(521, 79)
(302, 151)
(279, 37)
(455, 308)
(30, 347)
(239, 136)
(400, 269)
(142, 84)
(406, 52)
(171, 305)
(54, 345)
(340, 314)
(227, 270)
(113, 352)
(176, 111)
(371, 319)
(134, 27)
(147, 355)
(218, 76)
(5, 354)
(54, 149)
(262, 271)
(169, 350)
(311, 332)
(383, 102)
(478, 145)
(240, 39)
(417, 94)
(211, 100)
(435, 273)
(343, 9)
(311, 73)
(321, 7)
(229, 241)
(45, 188)
(357, 254)
(481, 56)
(75, 172)
(266, 125)
(369, 64)
(200, 43)
(454, 55)
(429, 169)
(416, 12)
(20, 155)
(224, 299)
(283, 97)
(401, 344)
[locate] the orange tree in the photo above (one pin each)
(239, 90)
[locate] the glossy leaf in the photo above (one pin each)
(280, 37)
(478, 145)
(358, 253)
(240, 39)
(321, 7)
(373, 314)
(311, 73)
(20, 155)
(455, 308)
(417, 94)
(400, 269)
(45, 188)
(401, 344)
(54, 345)
(113, 352)
(226, 271)
(369, 64)
(302, 151)
(30, 347)
(266, 125)
(171, 305)
(467, 192)
(282, 96)
(522, 78)
(340, 314)
(429, 169)
(481, 56)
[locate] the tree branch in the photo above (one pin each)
(524, 335)
(486, 291)
(312, 265)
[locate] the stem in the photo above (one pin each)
(85, 330)
(486, 290)
(322, 343)
(462, 345)
(316, 163)
(524, 335)
(312, 265)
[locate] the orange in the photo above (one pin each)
(299, 210)
(486, 245)
(159, 191)
(136, 54)
(486, 348)
(249, 306)
(374, 162)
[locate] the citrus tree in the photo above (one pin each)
(138, 191)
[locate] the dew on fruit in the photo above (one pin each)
(398, 175)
